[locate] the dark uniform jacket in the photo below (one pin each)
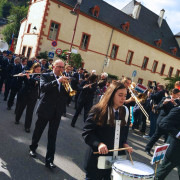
(52, 101)
(171, 124)
(95, 134)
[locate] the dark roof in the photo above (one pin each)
(144, 28)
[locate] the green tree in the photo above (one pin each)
(5, 8)
(76, 60)
(17, 13)
(172, 80)
(43, 55)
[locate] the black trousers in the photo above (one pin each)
(7, 88)
(2, 80)
(84, 104)
(165, 168)
(29, 103)
(13, 93)
(52, 133)
(99, 174)
(158, 133)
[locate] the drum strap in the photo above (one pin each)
(117, 137)
(118, 132)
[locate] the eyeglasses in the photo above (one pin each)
(60, 66)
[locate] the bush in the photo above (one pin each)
(172, 81)
(110, 76)
(43, 55)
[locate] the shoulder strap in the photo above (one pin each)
(127, 114)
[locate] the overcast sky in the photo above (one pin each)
(172, 10)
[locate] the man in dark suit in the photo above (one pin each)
(53, 98)
(77, 79)
(171, 124)
(16, 82)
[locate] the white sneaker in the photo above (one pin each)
(147, 137)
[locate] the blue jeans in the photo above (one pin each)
(153, 120)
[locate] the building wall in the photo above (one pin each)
(99, 39)
(34, 17)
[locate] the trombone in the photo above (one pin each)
(139, 104)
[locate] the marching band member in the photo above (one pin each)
(27, 96)
(85, 100)
(53, 98)
(99, 129)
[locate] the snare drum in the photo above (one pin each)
(124, 170)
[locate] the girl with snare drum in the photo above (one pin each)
(101, 131)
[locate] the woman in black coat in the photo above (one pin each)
(27, 96)
(99, 130)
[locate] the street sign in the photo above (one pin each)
(51, 55)
(134, 73)
(75, 51)
(58, 51)
(54, 43)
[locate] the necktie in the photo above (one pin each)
(116, 115)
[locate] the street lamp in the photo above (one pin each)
(75, 11)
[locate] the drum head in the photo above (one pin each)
(138, 169)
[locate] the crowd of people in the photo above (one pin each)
(54, 85)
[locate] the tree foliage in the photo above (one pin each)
(5, 8)
(43, 55)
(17, 13)
(172, 80)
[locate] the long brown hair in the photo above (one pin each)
(100, 110)
(35, 65)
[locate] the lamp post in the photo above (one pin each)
(75, 12)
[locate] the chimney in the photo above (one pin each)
(136, 10)
(160, 19)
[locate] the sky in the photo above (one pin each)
(171, 7)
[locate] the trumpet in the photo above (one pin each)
(139, 104)
(68, 88)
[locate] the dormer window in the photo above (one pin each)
(125, 26)
(95, 11)
(158, 42)
(173, 50)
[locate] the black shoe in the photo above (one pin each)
(148, 152)
(16, 122)
(27, 130)
(32, 153)
(8, 108)
(50, 165)
(72, 124)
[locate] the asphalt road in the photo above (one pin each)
(15, 163)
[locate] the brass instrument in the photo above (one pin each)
(68, 88)
(139, 104)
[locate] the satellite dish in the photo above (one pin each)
(3, 46)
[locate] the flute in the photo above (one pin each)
(22, 74)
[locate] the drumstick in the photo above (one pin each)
(131, 158)
(112, 150)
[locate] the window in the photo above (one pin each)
(125, 26)
(24, 50)
(154, 67)
(85, 41)
(54, 30)
(114, 51)
(178, 73)
(173, 50)
(170, 71)
(29, 52)
(95, 11)
(29, 27)
(140, 80)
(129, 57)
(162, 69)
(158, 42)
(145, 62)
